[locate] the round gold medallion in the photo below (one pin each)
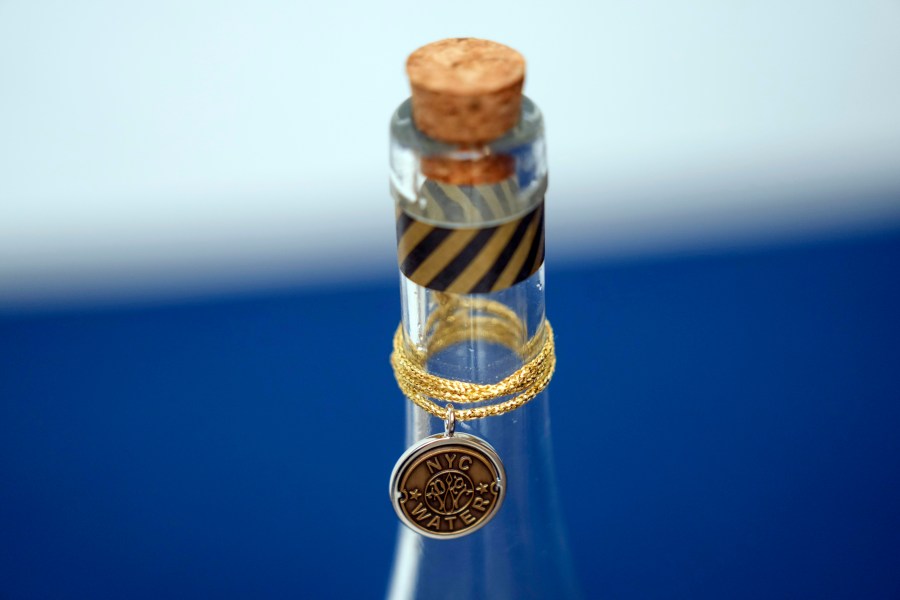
(448, 486)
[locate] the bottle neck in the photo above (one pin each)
(472, 295)
(522, 553)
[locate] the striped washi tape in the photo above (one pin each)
(476, 259)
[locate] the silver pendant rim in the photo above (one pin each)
(436, 441)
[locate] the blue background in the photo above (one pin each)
(726, 426)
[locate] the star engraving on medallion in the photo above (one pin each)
(414, 494)
(482, 488)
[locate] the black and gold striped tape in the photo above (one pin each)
(471, 260)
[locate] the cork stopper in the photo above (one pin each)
(490, 169)
(466, 90)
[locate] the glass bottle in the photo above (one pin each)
(522, 552)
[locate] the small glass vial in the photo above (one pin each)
(468, 177)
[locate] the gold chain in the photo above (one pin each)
(454, 321)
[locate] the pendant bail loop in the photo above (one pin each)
(450, 421)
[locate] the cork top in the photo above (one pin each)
(466, 90)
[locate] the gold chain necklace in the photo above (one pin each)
(450, 484)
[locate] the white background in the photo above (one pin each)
(171, 148)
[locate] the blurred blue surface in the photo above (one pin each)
(739, 413)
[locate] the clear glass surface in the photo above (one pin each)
(524, 144)
(522, 552)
